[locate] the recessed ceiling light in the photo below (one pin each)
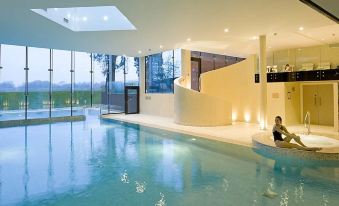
(55, 9)
(68, 15)
(188, 39)
(160, 46)
(254, 38)
(226, 30)
(301, 28)
(139, 52)
(84, 18)
(105, 18)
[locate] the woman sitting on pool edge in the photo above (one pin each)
(279, 129)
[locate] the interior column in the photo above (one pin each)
(263, 82)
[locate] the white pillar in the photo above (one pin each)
(263, 82)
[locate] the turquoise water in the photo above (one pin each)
(112, 163)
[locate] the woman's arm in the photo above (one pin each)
(281, 131)
(285, 130)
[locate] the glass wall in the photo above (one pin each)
(211, 62)
(38, 83)
(61, 83)
(58, 83)
(132, 71)
(161, 70)
(82, 84)
(12, 82)
(303, 59)
(100, 75)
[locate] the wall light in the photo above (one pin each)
(234, 116)
(247, 117)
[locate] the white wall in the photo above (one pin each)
(235, 84)
(154, 104)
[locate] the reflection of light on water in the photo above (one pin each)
(225, 184)
(124, 177)
(284, 198)
(209, 190)
(162, 201)
(299, 192)
(140, 186)
(325, 200)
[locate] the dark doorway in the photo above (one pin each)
(131, 99)
(195, 73)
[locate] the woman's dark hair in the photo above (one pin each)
(278, 118)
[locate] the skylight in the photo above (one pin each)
(100, 18)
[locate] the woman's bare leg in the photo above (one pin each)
(296, 139)
(284, 144)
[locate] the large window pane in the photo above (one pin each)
(159, 73)
(61, 94)
(132, 71)
(100, 71)
(177, 63)
(82, 87)
(38, 83)
(117, 84)
(12, 83)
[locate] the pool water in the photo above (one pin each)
(98, 162)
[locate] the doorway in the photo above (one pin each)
(319, 101)
(195, 73)
(131, 99)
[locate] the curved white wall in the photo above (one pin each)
(198, 109)
(235, 84)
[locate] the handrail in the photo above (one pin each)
(307, 122)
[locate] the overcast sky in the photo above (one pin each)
(13, 62)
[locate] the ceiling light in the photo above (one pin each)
(189, 39)
(254, 38)
(160, 46)
(105, 18)
(301, 28)
(226, 30)
(55, 9)
(84, 18)
(68, 15)
(139, 52)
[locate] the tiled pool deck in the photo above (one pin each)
(237, 133)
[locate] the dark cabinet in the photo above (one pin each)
(314, 75)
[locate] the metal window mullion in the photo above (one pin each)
(91, 72)
(50, 70)
(72, 76)
(173, 71)
(26, 83)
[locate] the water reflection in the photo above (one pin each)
(74, 163)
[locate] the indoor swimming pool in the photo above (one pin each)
(97, 162)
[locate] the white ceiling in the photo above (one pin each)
(170, 23)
